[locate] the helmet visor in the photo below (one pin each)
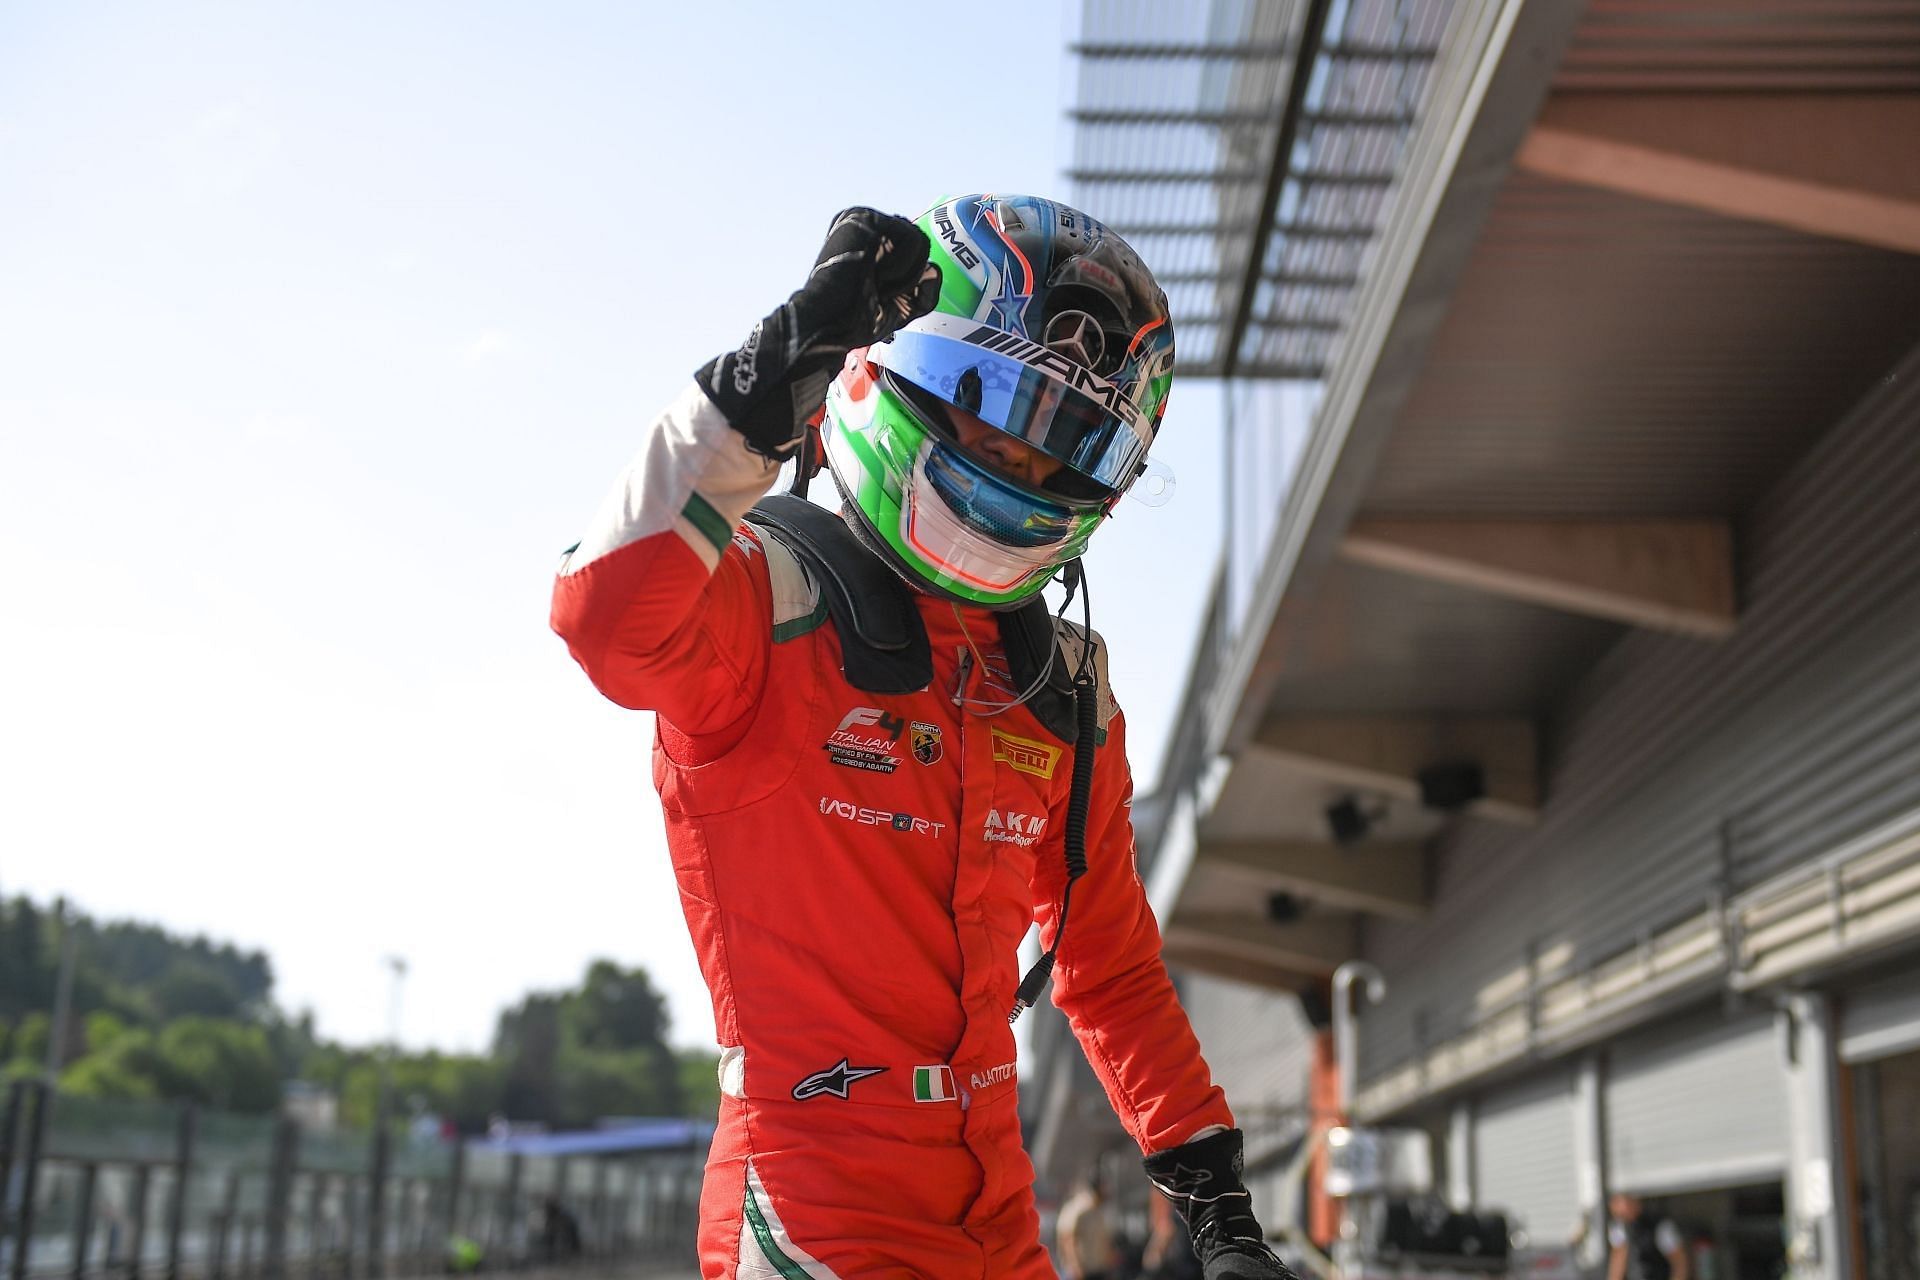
(968, 529)
(1036, 395)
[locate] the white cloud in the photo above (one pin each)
(491, 345)
(217, 156)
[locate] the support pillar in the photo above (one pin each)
(1816, 1214)
(1590, 1159)
(1460, 1173)
(1323, 1102)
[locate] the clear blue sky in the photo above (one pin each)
(323, 328)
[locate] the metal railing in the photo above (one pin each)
(1861, 898)
(97, 1189)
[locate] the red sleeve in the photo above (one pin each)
(1111, 983)
(665, 603)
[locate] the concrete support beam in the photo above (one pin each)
(1312, 946)
(1668, 575)
(1385, 754)
(1590, 1159)
(1840, 165)
(1460, 1171)
(1233, 968)
(1379, 879)
(1817, 1208)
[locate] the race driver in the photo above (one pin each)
(867, 736)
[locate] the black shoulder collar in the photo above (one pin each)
(883, 642)
(1027, 636)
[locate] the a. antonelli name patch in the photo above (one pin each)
(833, 1082)
(1025, 754)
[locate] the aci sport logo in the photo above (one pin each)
(862, 816)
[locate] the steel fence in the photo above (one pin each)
(91, 1188)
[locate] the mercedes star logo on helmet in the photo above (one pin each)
(1077, 335)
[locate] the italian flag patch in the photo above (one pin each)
(933, 1084)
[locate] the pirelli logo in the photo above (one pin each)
(1024, 754)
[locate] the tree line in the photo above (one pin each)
(157, 1017)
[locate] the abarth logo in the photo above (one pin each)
(925, 742)
(860, 815)
(1024, 754)
(1004, 826)
(867, 739)
(833, 1082)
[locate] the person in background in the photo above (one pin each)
(1087, 1245)
(559, 1232)
(1643, 1245)
(1169, 1251)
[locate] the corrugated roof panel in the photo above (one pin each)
(1773, 45)
(1374, 642)
(1612, 356)
(1179, 111)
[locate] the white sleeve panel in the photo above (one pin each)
(694, 476)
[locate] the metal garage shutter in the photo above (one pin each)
(1523, 1156)
(1694, 1106)
(1881, 1018)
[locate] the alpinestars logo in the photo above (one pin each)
(861, 815)
(746, 363)
(867, 739)
(1007, 827)
(833, 1082)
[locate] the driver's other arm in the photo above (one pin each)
(1114, 989)
(1110, 981)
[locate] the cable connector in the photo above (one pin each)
(1031, 986)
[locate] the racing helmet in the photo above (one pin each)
(1049, 329)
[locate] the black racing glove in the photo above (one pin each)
(872, 276)
(1203, 1180)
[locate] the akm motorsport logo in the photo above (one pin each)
(1007, 827)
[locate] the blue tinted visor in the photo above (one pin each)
(992, 505)
(1033, 394)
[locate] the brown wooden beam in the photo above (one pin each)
(1385, 754)
(1315, 944)
(1841, 165)
(1666, 575)
(1236, 969)
(1386, 879)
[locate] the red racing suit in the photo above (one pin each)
(857, 871)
